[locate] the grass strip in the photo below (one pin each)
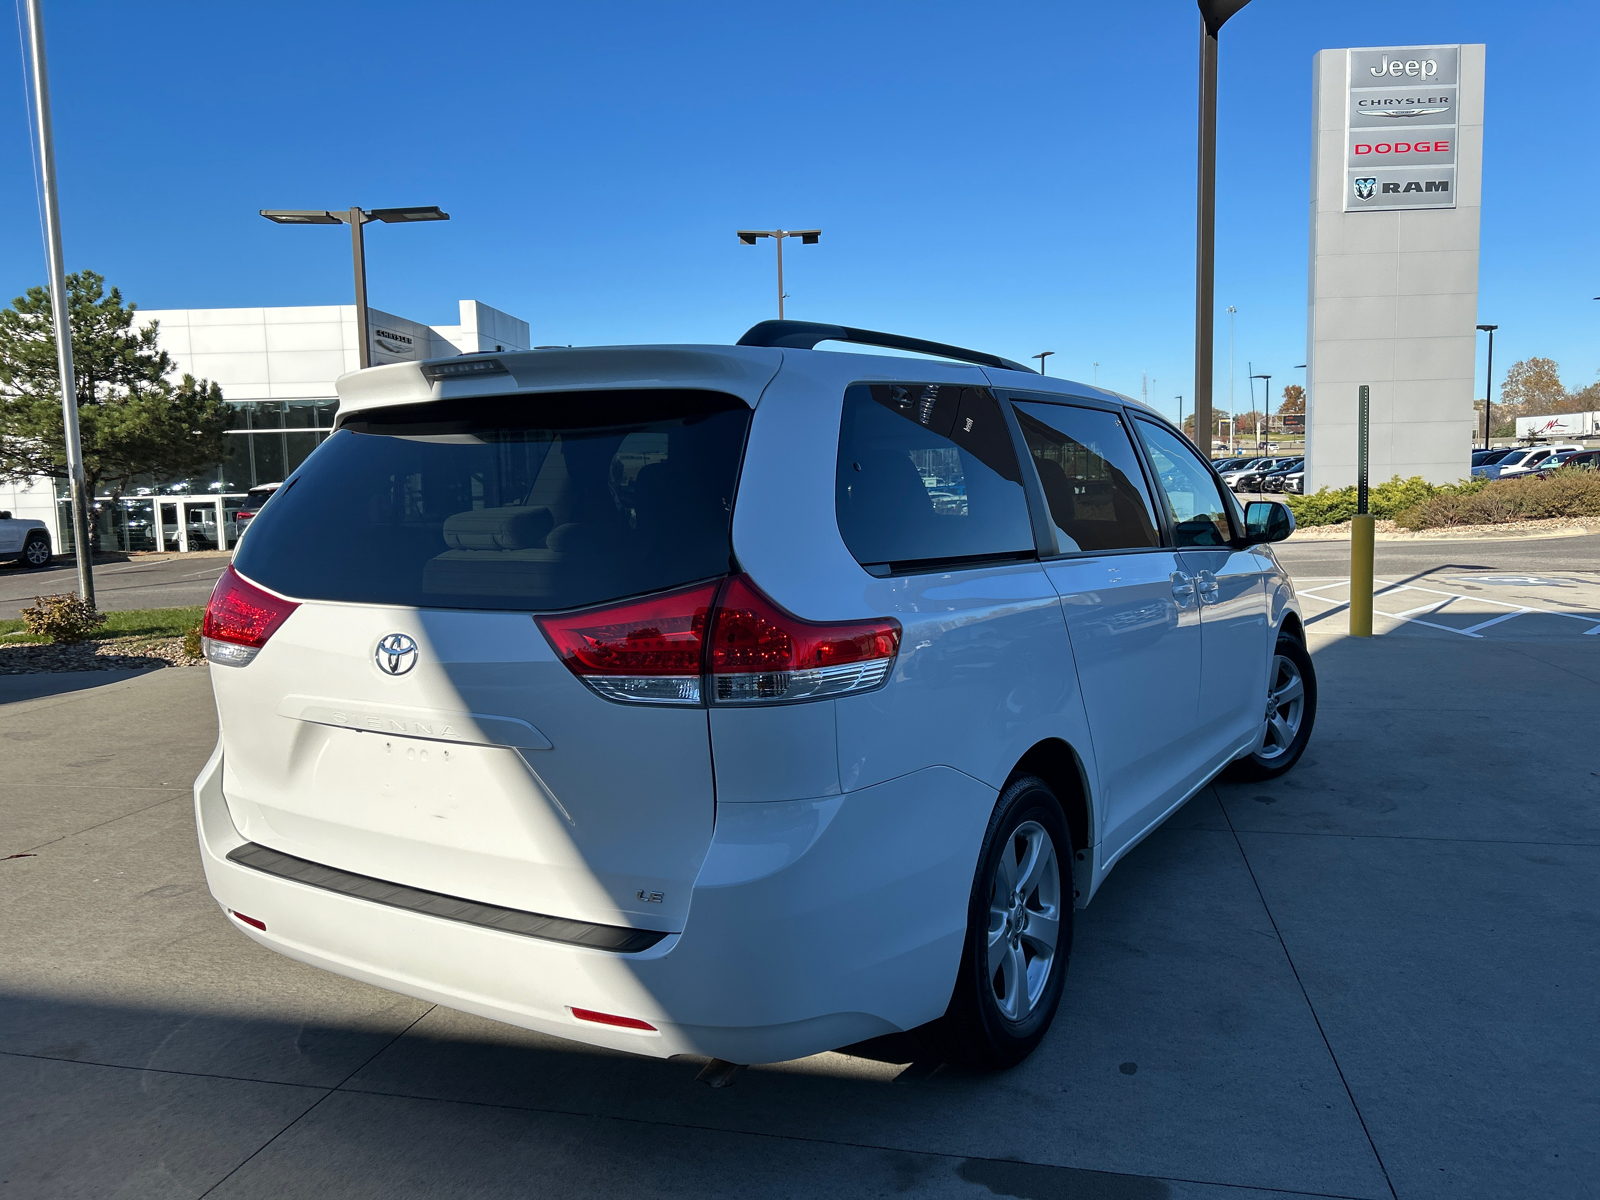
(148, 624)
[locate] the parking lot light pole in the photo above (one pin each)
(1041, 357)
(808, 237)
(356, 218)
(1266, 399)
(1232, 424)
(82, 542)
(1213, 15)
(1488, 382)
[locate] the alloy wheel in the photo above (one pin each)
(1286, 706)
(1024, 920)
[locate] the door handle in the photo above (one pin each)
(1206, 582)
(1182, 588)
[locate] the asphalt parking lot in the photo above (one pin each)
(120, 583)
(1373, 978)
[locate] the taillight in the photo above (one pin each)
(646, 650)
(661, 649)
(239, 619)
(761, 653)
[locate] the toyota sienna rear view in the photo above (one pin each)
(739, 702)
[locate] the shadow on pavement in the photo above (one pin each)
(15, 688)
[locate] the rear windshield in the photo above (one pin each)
(518, 502)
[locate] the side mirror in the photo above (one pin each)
(1265, 521)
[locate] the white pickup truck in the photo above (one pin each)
(24, 541)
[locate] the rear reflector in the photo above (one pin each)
(759, 652)
(644, 650)
(240, 618)
(250, 921)
(659, 650)
(600, 1018)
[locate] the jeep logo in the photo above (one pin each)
(1394, 68)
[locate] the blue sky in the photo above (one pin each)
(1017, 177)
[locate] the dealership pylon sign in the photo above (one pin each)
(1396, 186)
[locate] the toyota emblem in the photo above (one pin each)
(396, 654)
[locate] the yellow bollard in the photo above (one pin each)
(1361, 534)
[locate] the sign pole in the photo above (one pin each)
(58, 311)
(1361, 529)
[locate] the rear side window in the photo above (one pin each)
(534, 503)
(1089, 473)
(927, 474)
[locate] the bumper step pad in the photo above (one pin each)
(451, 908)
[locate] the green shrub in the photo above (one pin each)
(1330, 506)
(1574, 492)
(62, 618)
(191, 643)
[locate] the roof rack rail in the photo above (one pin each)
(804, 335)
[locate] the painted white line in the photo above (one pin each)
(1497, 620)
(1408, 615)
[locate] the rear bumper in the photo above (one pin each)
(814, 924)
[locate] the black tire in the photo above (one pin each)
(1274, 759)
(975, 1030)
(36, 551)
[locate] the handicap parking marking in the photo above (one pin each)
(1440, 604)
(1514, 581)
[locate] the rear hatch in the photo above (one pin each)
(409, 720)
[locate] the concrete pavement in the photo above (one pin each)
(1372, 978)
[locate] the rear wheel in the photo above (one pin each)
(1019, 934)
(1291, 708)
(36, 551)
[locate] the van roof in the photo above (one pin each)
(742, 370)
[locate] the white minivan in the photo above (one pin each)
(732, 701)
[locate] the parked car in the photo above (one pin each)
(1483, 458)
(1588, 460)
(1519, 462)
(1247, 479)
(201, 528)
(1293, 481)
(1273, 480)
(254, 499)
(24, 540)
(768, 752)
(1238, 465)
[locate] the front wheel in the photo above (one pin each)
(1291, 708)
(1019, 934)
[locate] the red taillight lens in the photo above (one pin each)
(240, 618)
(759, 652)
(657, 650)
(600, 1018)
(250, 921)
(647, 650)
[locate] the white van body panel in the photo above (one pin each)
(809, 865)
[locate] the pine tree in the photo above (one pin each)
(133, 420)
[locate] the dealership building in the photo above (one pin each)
(276, 368)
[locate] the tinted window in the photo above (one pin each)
(526, 502)
(1193, 498)
(927, 472)
(1089, 472)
